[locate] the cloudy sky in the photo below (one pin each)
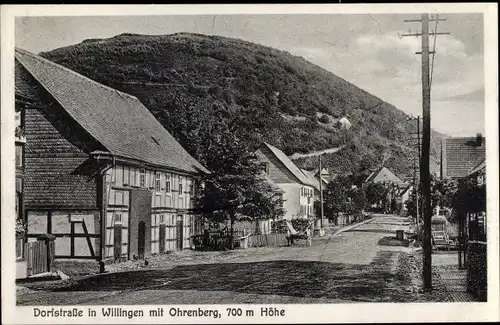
(363, 49)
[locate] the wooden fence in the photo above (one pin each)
(269, 240)
(39, 256)
(214, 240)
(476, 269)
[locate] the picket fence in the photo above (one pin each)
(268, 240)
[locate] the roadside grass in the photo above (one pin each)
(393, 241)
(76, 267)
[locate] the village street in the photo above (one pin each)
(346, 267)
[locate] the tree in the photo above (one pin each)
(442, 192)
(375, 192)
(336, 195)
(359, 199)
(235, 186)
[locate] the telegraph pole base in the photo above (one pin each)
(320, 232)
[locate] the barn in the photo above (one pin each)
(100, 173)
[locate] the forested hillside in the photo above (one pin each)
(264, 94)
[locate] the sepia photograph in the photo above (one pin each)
(249, 158)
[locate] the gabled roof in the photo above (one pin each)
(118, 121)
(462, 154)
(477, 168)
(383, 174)
(289, 165)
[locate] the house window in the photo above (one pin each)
(142, 178)
(118, 217)
(167, 183)
(162, 218)
(19, 156)
(265, 168)
(163, 181)
(191, 189)
(126, 175)
(157, 181)
(180, 186)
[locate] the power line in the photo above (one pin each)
(434, 49)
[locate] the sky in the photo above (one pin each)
(364, 49)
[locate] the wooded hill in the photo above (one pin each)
(266, 94)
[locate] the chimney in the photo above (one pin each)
(479, 139)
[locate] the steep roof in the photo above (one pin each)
(383, 174)
(120, 122)
(462, 154)
(289, 164)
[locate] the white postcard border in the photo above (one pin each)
(378, 312)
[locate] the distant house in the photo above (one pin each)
(101, 174)
(344, 123)
(393, 185)
(383, 175)
(298, 188)
(460, 155)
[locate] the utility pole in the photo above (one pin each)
(321, 191)
(441, 162)
(416, 165)
(426, 133)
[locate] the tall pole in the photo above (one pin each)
(441, 162)
(321, 191)
(426, 135)
(424, 170)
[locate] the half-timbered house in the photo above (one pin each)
(101, 174)
(298, 189)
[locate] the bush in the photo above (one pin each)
(324, 119)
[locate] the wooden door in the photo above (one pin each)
(141, 245)
(180, 232)
(118, 241)
(36, 258)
